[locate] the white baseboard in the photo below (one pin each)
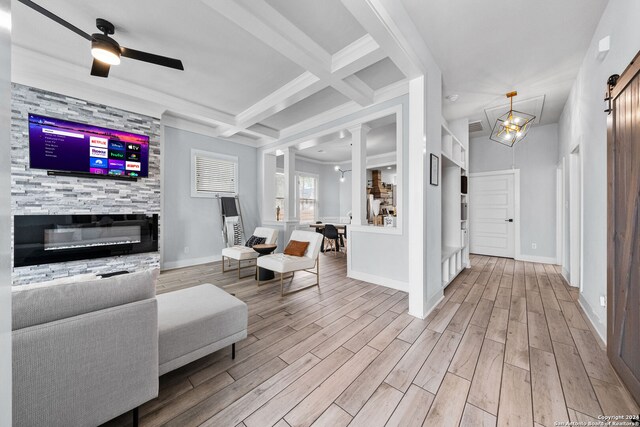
(538, 259)
(377, 280)
(595, 320)
(565, 274)
(190, 262)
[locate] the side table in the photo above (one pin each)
(264, 249)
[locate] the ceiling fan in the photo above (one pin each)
(104, 49)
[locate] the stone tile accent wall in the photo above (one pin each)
(34, 192)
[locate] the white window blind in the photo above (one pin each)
(213, 174)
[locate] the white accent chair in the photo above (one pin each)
(281, 263)
(242, 253)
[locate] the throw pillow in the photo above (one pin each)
(296, 248)
(255, 240)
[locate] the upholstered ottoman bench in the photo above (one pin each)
(195, 322)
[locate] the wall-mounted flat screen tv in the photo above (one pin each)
(63, 146)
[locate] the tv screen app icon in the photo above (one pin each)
(133, 157)
(98, 163)
(116, 145)
(118, 155)
(116, 164)
(97, 171)
(133, 166)
(95, 141)
(116, 172)
(99, 152)
(133, 147)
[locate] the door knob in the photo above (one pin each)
(509, 220)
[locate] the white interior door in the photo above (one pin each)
(492, 214)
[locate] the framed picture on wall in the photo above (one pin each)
(435, 169)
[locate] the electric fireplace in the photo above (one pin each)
(46, 239)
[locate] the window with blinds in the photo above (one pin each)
(213, 174)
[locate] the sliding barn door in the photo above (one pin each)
(623, 269)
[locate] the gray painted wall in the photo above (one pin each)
(537, 158)
(34, 192)
(5, 221)
(583, 121)
(195, 222)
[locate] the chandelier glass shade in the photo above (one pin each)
(512, 126)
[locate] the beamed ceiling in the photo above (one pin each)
(258, 70)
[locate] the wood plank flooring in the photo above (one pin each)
(508, 345)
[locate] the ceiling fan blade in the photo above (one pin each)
(100, 69)
(150, 57)
(56, 18)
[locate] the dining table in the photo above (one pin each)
(341, 231)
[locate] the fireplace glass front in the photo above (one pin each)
(45, 239)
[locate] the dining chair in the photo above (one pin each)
(332, 237)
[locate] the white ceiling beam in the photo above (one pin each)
(297, 89)
(268, 25)
(353, 58)
(391, 26)
(358, 55)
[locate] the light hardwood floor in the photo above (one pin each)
(507, 346)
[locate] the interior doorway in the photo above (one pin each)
(575, 217)
(493, 211)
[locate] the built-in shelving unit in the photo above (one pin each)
(455, 229)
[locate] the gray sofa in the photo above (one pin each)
(88, 351)
(84, 352)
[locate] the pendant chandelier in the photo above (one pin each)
(512, 126)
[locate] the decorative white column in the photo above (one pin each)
(359, 173)
(290, 184)
(268, 187)
(425, 202)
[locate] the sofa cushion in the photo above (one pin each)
(44, 304)
(239, 253)
(192, 318)
(281, 263)
(296, 248)
(255, 240)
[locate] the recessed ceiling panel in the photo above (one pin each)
(225, 67)
(327, 22)
(380, 74)
(317, 103)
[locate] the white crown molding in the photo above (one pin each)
(192, 125)
(344, 162)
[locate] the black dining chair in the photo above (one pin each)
(332, 237)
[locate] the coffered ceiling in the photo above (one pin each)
(256, 69)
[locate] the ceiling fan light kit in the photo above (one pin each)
(512, 126)
(104, 49)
